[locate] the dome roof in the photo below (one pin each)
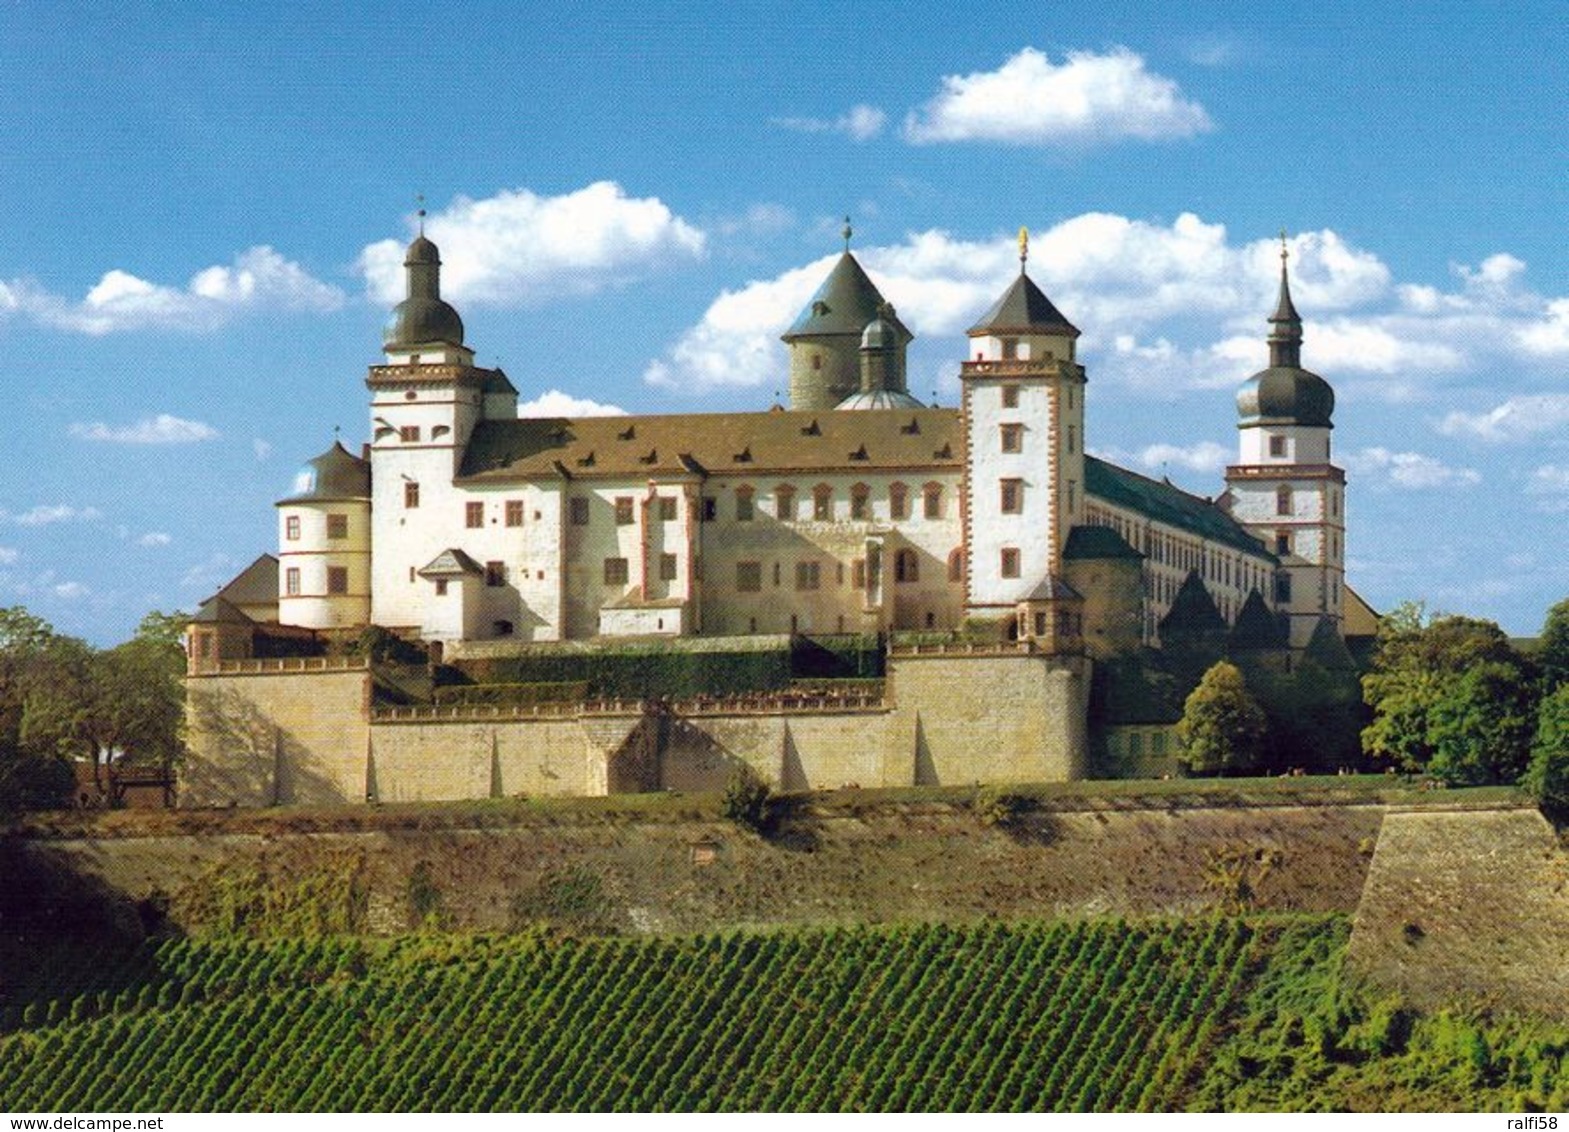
(422, 250)
(880, 399)
(334, 475)
(1286, 395)
(420, 322)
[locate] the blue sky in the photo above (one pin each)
(205, 203)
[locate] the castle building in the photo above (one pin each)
(856, 510)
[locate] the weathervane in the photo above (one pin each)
(419, 199)
(1024, 247)
(847, 233)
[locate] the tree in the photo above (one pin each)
(1547, 778)
(748, 801)
(1222, 726)
(1553, 652)
(1448, 695)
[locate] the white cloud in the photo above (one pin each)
(759, 219)
(1549, 485)
(162, 429)
(9, 555)
(154, 538)
(517, 247)
(258, 279)
(262, 448)
(1516, 418)
(555, 403)
(70, 591)
(1411, 470)
(1204, 456)
(47, 513)
(215, 570)
(859, 123)
(1030, 100)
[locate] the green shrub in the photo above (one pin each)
(748, 801)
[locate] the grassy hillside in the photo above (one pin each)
(1217, 1013)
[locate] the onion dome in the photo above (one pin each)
(334, 476)
(1285, 393)
(880, 334)
(423, 318)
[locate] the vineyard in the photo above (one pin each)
(1088, 1016)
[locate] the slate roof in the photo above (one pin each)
(1256, 627)
(1165, 503)
(769, 443)
(1193, 611)
(257, 584)
(335, 475)
(1097, 542)
(1024, 309)
(845, 303)
(450, 563)
(215, 610)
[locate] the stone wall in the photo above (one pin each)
(261, 734)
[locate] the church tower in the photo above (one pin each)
(1283, 488)
(1023, 412)
(826, 342)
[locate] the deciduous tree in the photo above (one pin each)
(1222, 726)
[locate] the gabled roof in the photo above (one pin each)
(1165, 503)
(1192, 611)
(450, 563)
(1052, 588)
(1256, 627)
(774, 443)
(845, 303)
(257, 584)
(1097, 542)
(216, 611)
(1024, 309)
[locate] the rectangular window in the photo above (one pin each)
(933, 499)
(898, 501)
(1010, 562)
(1010, 396)
(291, 581)
(823, 503)
(473, 515)
(808, 575)
(409, 434)
(441, 587)
(710, 508)
(1012, 496)
(858, 573)
(1012, 437)
(1277, 446)
(1283, 500)
(1282, 589)
(615, 571)
(1073, 439)
(1282, 543)
(1073, 495)
(337, 526)
(667, 508)
(624, 512)
(495, 574)
(410, 494)
(749, 577)
(784, 504)
(743, 506)
(337, 579)
(514, 512)
(579, 510)
(667, 567)
(291, 528)
(1010, 349)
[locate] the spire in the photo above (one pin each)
(1024, 248)
(847, 233)
(1285, 335)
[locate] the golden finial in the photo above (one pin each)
(847, 233)
(1285, 254)
(1024, 247)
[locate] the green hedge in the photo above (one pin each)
(569, 691)
(639, 674)
(841, 656)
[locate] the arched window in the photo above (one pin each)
(860, 502)
(956, 565)
(898, 501)
(784, 502)
(932, 494)
(906, 566)
(822, 502)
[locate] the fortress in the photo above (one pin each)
(994, 558)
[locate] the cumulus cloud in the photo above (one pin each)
(555, 403)
(1517, 418)
(258, 279)
(154, 538)
(517, 247)
(1549, 487)
(1205, 456)
(46, 514)
(1030, 100)
(69, 591)
(161, 429)
(9, 555)
(1410, 470)
(859, 123)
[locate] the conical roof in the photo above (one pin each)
(1023, 309)
(846, 303)
(1193, 611)
(334, 475)
(1256, 627)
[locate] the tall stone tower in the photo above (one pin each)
(1283, 487)
(826, 340)
(1023, 411)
